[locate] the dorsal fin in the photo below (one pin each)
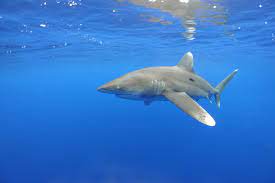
(186, 62)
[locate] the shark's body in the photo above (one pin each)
(157, 79)
(179, 84)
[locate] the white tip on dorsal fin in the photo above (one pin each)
(186, 62)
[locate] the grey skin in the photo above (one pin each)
(178, 84)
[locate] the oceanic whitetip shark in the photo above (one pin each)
(178, 84)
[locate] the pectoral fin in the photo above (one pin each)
(188, 105)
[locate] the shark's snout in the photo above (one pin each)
(101, 89)
(107, 88)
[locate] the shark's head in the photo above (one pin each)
(128, 84)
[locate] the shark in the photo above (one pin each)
(178, 84)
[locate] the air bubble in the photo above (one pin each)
(72, 3)
(43, 25)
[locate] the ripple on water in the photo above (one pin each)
(189, 12)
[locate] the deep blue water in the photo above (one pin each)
(56, 128)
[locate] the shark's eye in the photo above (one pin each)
(191, 79)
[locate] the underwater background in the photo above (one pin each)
(55, 127)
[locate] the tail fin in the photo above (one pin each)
(221, 86)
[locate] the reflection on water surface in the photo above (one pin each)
(190, 12)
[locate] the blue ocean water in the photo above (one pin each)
(56, 128)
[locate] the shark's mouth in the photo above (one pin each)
(103, 90)
(130, 96)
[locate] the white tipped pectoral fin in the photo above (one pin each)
(189, 106)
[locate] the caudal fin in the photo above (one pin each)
(221, 87)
